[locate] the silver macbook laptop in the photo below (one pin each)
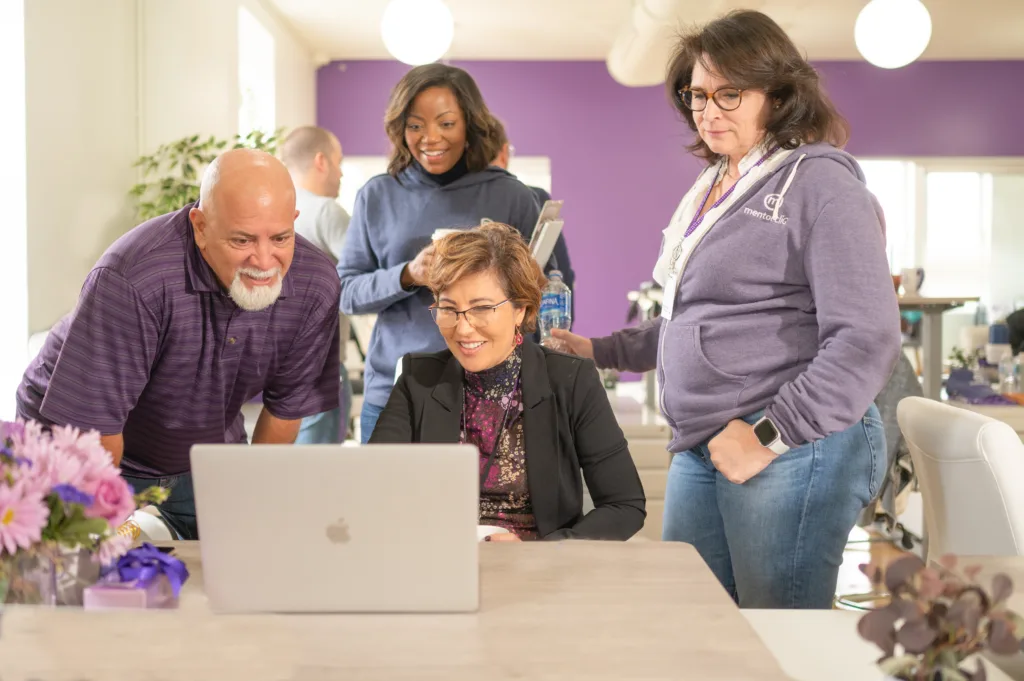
(326, 528)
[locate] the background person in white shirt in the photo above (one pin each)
(313, 157)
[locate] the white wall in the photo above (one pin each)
(190, 69)
(108, 81)
(13, 228)
(81, 142)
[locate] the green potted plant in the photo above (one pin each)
(171, 174)
(935, 621)
(961, 359)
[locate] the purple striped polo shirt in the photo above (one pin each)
(157, 351)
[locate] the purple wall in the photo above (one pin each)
(617, 153)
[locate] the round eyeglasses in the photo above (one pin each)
(725, 98)
(478, 317)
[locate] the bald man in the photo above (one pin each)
(313, 157)
(186, 318)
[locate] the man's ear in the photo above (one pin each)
(320, 161)
(198, 226)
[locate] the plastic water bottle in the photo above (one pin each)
(1010, 378)
(555, 310)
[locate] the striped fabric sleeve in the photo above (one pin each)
(105, 362)
(309, 380)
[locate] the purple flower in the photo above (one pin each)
(72, 495)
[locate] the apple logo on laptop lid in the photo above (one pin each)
(337, 532)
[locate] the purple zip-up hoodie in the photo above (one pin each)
(786, 305)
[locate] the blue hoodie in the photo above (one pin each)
(392, 221)
(785, 304)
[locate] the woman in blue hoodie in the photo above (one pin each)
(779, 327)
(439, 177)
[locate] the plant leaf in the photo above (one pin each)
(932, 584)
(1002, 587)
(907, 609)
(966, 613)
(901, 571)
(1001, 639)
(878, 626)
(916, 637)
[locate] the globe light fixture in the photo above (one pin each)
(417, 31)
(892, 33)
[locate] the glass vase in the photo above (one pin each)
(50, 578)
(28, 579)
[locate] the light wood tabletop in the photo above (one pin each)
(549, 610)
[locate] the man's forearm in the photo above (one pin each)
(115, 445)
(271, 430)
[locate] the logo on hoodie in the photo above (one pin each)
(772, 204)
(773, 201)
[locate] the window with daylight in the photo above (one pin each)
(256, 110)
(892, 183)
(959, 219)
(958, 209)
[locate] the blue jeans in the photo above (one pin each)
(179, 511)
(777, 540)
(368, 421)
(330, 427)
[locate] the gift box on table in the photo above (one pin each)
(144, 577)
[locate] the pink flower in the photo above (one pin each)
(112, 500)
(22, 517)
(112, 548)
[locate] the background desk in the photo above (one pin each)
(549, 610)
(931, 310)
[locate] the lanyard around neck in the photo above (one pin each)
(700, 213)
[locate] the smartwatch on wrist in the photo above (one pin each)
(768, 435)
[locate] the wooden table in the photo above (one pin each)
(559, 610)
(931, 310)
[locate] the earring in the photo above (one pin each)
(518, 337)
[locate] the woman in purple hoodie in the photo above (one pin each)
(779, 326)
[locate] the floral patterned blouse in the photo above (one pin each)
(493, 421)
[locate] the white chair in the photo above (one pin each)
(970, 468)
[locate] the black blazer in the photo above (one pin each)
(568, 425)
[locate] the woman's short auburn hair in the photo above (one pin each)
(482, 145)
(751, 51)
(493, 247)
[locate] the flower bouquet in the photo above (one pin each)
(61, 502)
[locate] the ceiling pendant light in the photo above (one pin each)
(417, 31)
(892, 33)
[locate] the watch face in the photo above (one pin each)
(766, 432)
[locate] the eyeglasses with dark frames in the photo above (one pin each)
(725, 98)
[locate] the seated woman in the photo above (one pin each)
(537, 416)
